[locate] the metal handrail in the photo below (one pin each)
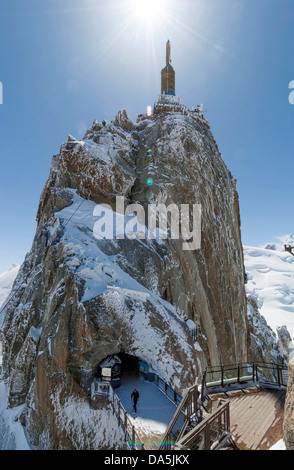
(245, 364)
(175, 397)
(188, 405)
(131, 437)
(121, 414)
(221, 416)
(255, 374)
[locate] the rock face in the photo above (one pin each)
(206, 285)
(285, 341)
(78, 299)
(288, 346)
(289, 409)
(263, 345)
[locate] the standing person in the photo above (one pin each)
(135, 399)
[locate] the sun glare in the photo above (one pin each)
(149, 9)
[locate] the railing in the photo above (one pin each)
(262, 372)
(167, 390)
(131, 437)
(211, 433)
(187, 409)
(275, 374)
(158, 107)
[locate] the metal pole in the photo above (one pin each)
(279, 380)
(118, 417)
(195, 400)
(207, 438)
(126, 422)
(228, 417)
(189, 405)
(203, 386)
(133, 435)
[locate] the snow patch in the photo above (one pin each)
(280, 445)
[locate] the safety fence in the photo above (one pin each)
(132, 439)
(104, 389)
(261, 372)
(188, 429)
(167, 390)
(185, 412)
(211, 433)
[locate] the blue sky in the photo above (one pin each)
(64, 63)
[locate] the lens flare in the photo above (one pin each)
(149, 9)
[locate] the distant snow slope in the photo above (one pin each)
(270, 273)
(6, 281)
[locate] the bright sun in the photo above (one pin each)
(149, 9)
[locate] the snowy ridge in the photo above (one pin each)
(270, 273)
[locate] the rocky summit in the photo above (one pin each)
(79, 298)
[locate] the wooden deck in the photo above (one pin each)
(256, 417)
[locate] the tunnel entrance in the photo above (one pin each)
(113, 369)
(130, 364)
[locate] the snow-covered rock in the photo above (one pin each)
(78, 299)
(286, 341)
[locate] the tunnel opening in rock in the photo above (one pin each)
(133, 368)
(130, 364)
(117, 367)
